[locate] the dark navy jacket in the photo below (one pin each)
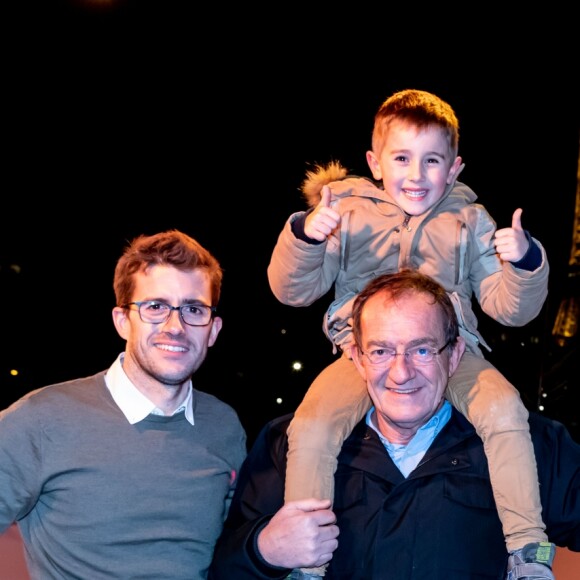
(440, 523)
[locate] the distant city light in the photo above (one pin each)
(279, 400)
(296, 365)
(14, 372)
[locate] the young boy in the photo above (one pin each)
(415, 216)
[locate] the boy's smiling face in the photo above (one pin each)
(415, 166)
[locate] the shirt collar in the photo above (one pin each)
(433, 426)
(132, 402)
(407, 457)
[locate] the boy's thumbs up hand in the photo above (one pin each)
(323, 220)
(511, 243)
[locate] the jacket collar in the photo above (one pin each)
(363, 450)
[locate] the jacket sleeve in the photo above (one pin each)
(510, 295)
(558, 460)
(259, 495)
(300, 273)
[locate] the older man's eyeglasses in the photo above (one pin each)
(156, 312)
(417, 355)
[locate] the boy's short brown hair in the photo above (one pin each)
(420, 108)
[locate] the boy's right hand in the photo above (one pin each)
(323, 220)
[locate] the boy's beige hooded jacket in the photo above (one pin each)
(452, 242)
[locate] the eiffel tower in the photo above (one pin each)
(568, 317)
(561, 382)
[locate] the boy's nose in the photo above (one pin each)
(415, 171)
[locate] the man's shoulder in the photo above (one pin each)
(208, 403)
(56, 399)
(64, 388)
(277, 426)
(274, 431)
(542, 427)
(218, 424)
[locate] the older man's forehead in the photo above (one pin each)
(410, 314)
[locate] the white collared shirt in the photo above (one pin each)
(132, 402)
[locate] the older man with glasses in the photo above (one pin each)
(413, 494)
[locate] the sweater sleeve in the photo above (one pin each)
(20, 461)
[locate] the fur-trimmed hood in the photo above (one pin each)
(318, 177)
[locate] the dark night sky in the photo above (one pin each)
(141, 118)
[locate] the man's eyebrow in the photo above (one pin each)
(422, 341)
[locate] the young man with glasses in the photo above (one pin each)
(413, 496)
(129, 473)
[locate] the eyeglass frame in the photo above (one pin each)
(139, 303)
(435, 353)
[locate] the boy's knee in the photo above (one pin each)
(504, 413)
(324, 435)
(309, 431)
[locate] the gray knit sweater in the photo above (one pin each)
(96, 497)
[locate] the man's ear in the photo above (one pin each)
(456, 355)
(356, 356)
(121, 321)
(216, 326)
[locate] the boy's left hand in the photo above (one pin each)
(511, 243)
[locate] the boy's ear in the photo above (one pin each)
(455, 170)
(374, 165)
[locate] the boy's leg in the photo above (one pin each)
(335, 402)
(495, 409)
